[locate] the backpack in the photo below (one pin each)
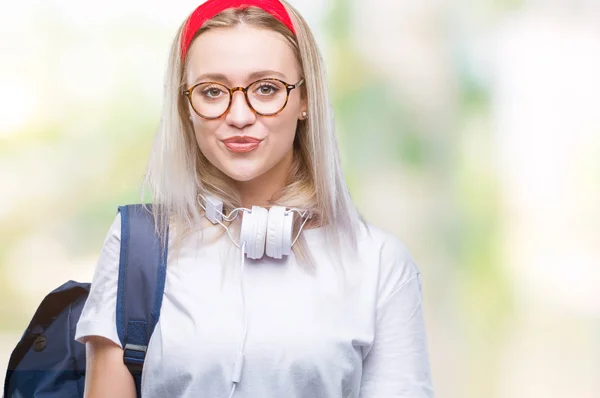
(48, 363)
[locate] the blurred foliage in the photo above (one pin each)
(376, 124)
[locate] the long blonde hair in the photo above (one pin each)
(178, 171)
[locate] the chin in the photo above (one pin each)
(242, 174)
(242, 177)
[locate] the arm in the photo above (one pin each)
(106, 374)
(398, 363)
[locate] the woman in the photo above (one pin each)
(246, 123)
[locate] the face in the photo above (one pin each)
(241, 143)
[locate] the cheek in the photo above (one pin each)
(282, 132)
(205, 138)
(283, 126)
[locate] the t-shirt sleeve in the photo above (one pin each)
(397, 364)
(98, 317)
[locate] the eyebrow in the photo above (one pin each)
(219, 77)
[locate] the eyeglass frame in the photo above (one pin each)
(288, 87)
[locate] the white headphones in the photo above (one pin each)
(262, 230)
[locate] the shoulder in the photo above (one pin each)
(386, 245)
(107, 265)
(115, 227)
(98, 315)
(112, 240)
(389, 258)
(109, 255)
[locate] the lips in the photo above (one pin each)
(241, 144)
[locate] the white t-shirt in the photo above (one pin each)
(320, 332)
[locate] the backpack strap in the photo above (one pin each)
(142, 273)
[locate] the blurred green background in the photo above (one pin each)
(469, 129)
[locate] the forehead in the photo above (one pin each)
(239, 52)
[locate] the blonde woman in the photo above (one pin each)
(246, 130)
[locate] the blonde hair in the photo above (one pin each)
(178, 171)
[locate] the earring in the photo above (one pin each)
(304, 114)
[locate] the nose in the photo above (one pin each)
(240, 115)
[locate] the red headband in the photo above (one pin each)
(211, 8)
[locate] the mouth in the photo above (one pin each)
(241, 144)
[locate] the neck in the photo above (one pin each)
(260, 190)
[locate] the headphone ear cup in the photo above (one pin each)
(246, 230)
(262, 217)
(275, 229)
(254, 231)
(286, 234)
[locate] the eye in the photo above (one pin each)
(212, 92)
(266, 89)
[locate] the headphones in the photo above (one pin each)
(263, 231)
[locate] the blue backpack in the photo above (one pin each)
(48, 363)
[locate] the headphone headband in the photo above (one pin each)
(211, 8)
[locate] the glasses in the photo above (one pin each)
(266, 97)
